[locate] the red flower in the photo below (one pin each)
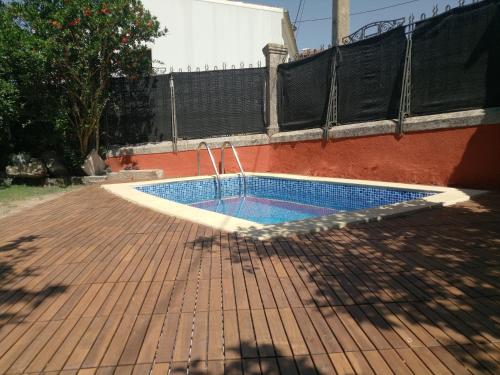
(124, 39)
(75, 22)
(150, 24)
(105, 10)
(87, 12)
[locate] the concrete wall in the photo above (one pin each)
(214, 32)
(464, 157)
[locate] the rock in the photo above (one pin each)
(33, 169)
(5, 181)
(19, 159)
(94, 165)
(54, 164)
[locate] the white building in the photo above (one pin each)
(214, 33)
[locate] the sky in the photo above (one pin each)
(318, 33)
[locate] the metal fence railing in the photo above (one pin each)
(445, 63)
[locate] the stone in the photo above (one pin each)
(19, 159)
(90, 180)
(5, 182)
(54, 164)
(94, 165)
(33, 169)
(135, 175)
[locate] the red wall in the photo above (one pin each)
(467, 157)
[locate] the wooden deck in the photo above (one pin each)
(92, 284)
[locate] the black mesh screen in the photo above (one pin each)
(304, 88)
(456, 60)
(369, 75)
(218, 103)
(138, 111)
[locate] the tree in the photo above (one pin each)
(29, 101)
(87, 43)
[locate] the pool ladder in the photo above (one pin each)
(222, 171)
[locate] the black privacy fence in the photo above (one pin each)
(218, 103)
(207, 104)
(304, 88)
(454, 65)
(369, 75)
(456, 60)
(450, 62)
(139, 111)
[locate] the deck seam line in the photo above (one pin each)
(168, 308)
(195, 308)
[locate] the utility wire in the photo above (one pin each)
(301, 15)
(358, 13)
(298, 11)
(387, 7)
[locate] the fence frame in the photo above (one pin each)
(173, 112)
(332, 111)
(405, 101)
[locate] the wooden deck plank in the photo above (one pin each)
(359, 363)
(200, 337)
(166, 343)
(323, 364)
(183, 338)
(25, 358)
(413, 362)
(231, 335)
(115, 349)
(40, 360)
(378, 363)
(293, 332)
(279, 338)
(132, 348)
(248, 342)
(110, 287)
(311, 337)
(341, 363)
(60, 357)
(100, 346)
(76, 359)
(262, 334)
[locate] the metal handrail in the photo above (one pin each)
(217, 176)
(222, 149)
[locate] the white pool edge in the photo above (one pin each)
(445, 197)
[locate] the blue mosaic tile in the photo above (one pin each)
(269, 191)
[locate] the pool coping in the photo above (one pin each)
(444, 196)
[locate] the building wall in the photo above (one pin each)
(464, 157)
(213, 32)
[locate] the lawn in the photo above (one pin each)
(9, 194)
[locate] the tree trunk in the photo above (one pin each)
(97, 136)
(84, 143)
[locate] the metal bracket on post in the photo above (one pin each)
(332, 113)
(405, 101)
(174, 114)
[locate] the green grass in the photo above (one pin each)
(13, 193)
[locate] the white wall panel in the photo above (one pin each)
(213, 32)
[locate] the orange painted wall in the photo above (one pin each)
(467, 157)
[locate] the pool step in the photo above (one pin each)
(135, 175)
(125, 176)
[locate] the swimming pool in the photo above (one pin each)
(274, 205)
(272, 200)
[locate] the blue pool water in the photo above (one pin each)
(272, 200)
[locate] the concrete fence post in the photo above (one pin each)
(275, 55)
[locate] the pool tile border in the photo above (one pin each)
(444, 197)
